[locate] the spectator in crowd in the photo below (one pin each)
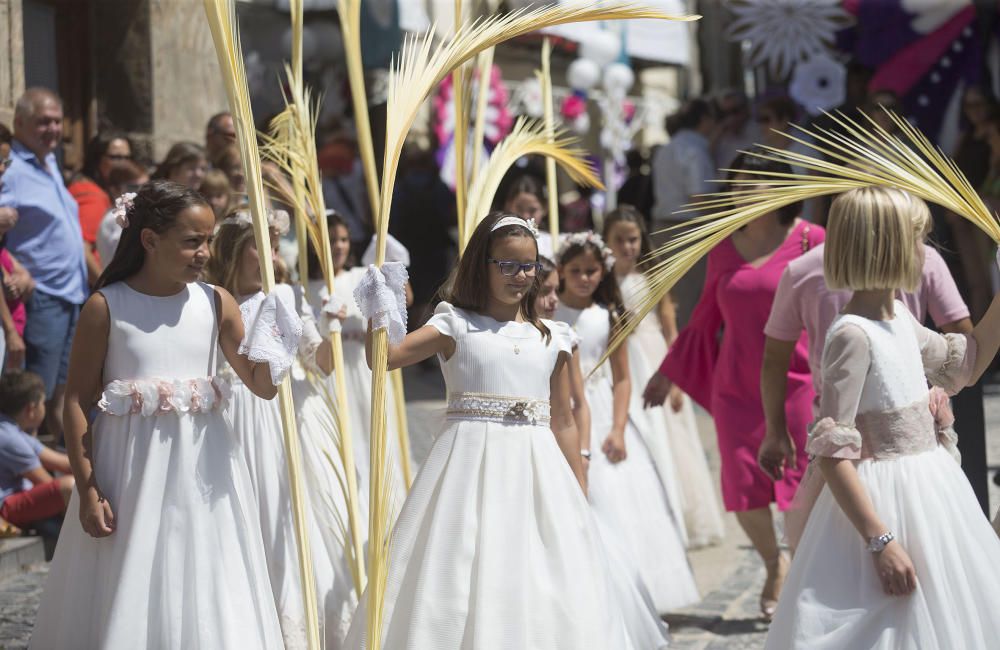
(682, 169)
(880, 101)
(976, 156)
(89, 188)
(637, 190)
(776, 119)
(217, 191)
(736, 131)
(220, 132)
(185, 164)
(11, 309)
(229, 161)
(28, 492)
(47, 241)
(124, 176)
(344, 187)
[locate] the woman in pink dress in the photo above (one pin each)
(717, 360)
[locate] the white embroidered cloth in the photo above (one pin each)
(272, 332)
(381, 297)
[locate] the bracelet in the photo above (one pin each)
(878, 544)
(585, 453)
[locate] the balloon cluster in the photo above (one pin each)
(599, 62)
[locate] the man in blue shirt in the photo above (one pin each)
(47, 241)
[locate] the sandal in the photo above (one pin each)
(8, 529)
(777, 568)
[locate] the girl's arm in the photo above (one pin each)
(581, 410)
(417, 346)
(14, 342)
(256, 376)
(987, 335)
(83, 388)
(668, 319)
(562, 423)
(614, 445)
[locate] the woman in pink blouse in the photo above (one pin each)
(717, 360)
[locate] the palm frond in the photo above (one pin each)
(221, 15)
(527, 137)
(859, 154)
(545, 77)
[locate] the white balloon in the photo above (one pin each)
(618, 78)
(581, 124)
(583, 74)
(601, 47)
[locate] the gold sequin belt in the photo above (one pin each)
(497, 408)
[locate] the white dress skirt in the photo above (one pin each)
(874, 410)
(185, 566)
(628, 497)
(672, 438)
(495, 547)
(258, 427)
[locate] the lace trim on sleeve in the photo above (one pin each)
(955, 372)
(834, 440)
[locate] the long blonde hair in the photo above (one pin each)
(872, 240)
(231, 240)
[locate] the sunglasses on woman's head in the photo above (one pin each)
(511, 268)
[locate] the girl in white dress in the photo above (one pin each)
(670, 433)
(495, 546)
(166, 551)
(235, 264)
(625, 490)
(895, 552)
(356, 371)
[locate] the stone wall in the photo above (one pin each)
(11, 58)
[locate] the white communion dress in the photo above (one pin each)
(495, 547)
(672, 438)
(359, 382)
(874, 411)
(628, 497)
(185, 566)
(257, 424)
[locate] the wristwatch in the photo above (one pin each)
(877, 544)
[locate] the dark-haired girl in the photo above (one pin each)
(671, 433)
(166, 551)
(495, 546)
(626, 493)
(722, 373)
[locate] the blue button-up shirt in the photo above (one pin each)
(47, 239)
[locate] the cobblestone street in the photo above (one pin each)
(730, 576)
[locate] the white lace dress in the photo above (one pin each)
(628, 497)
(495, 547)
(672, 438)
(185, 566)
(874, 410)
(257, 423)
(359, 381)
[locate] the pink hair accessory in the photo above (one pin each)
(122, 205)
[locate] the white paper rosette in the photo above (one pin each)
(818, 84)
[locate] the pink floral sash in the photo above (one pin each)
(160, 396)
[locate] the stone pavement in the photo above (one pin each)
(730, 575)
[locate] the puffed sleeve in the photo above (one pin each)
(447, 320)
(311, 338)
(846, 359)
(948, 358)
(563, 336)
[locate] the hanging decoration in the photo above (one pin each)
(782, 33)
(497, 124)
(818, 84)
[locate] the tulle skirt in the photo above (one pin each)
(257, 423)
(495, 548)
(674, 443)
(833, 599)
(185, 566)
(629, 499)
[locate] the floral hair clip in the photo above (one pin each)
(276, 219)
(122, 205)
(584, 238)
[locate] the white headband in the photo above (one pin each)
(529, 224)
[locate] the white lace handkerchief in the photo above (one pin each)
(272, 333)
(381, 297)
(328, 314)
